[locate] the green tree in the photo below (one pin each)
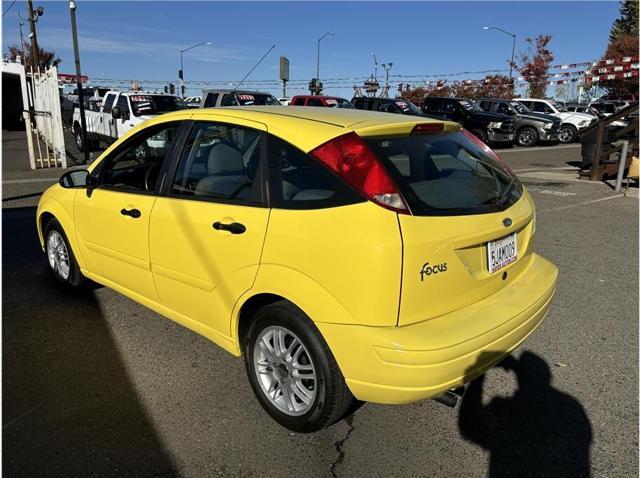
(627, 24)
(623, 41)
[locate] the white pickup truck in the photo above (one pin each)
(119, 111)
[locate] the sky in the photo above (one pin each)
(142, 40)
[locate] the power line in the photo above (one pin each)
(8, 8)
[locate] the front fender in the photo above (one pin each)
(58, 202)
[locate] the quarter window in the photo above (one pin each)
(299, 182)
(137, 165)
(220, 161)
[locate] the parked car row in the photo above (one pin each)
(524, 121)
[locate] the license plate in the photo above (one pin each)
(502, 252)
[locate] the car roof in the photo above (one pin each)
(229, 90)
(319, 96)
(306, 127)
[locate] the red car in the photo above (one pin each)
(326, 101)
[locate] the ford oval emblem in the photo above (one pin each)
(506, 222)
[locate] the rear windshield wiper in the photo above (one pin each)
(502, 200)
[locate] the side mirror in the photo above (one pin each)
(116, 112)
(76, 178)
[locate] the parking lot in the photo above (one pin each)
(97, 385)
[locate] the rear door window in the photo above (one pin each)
(449, 173)
(298, 102)
(433, 104)
(220, 162)
(229, 100)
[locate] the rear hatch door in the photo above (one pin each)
(469, 234)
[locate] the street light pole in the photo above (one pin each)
(317, 92)
(513, 48)
(375, 66)
(181, 72)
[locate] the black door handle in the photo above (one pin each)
(134, 213)
(233, 228)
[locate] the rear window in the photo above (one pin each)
(155, 104)
(448, 174)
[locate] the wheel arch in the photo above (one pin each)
(50, 208)
(275, 283)
(248, 309)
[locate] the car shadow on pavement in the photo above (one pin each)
(69, 407)
(539, 431)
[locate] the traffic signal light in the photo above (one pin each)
(312, 86)
(182, 89)
(172, 88)
(180, 74)
(166, 89)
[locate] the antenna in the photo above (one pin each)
(254, 67)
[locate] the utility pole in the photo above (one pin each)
(76, 54)
(34, 37)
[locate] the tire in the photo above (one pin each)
(527, 137)
(327, 397)
(78, 135)
(567, 134)
(59, 253)
(480, 134)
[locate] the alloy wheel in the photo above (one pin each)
(285, 371)
(565, 135)
(58, 255)
(526, 137)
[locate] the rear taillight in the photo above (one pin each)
(351, 159)
(478, 142)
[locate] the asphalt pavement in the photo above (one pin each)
(96, 385)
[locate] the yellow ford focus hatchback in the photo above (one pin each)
(347, 255)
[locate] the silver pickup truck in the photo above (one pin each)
(118, 112)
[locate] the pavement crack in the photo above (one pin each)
(340, 446)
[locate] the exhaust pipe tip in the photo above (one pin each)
(450, 397)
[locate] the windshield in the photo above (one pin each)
(155, 104)
(450, 173)
(338, 103)
(256, 99)
(558, 106)
(408, 108)
(519, 107)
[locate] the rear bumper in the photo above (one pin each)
(422, 360)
